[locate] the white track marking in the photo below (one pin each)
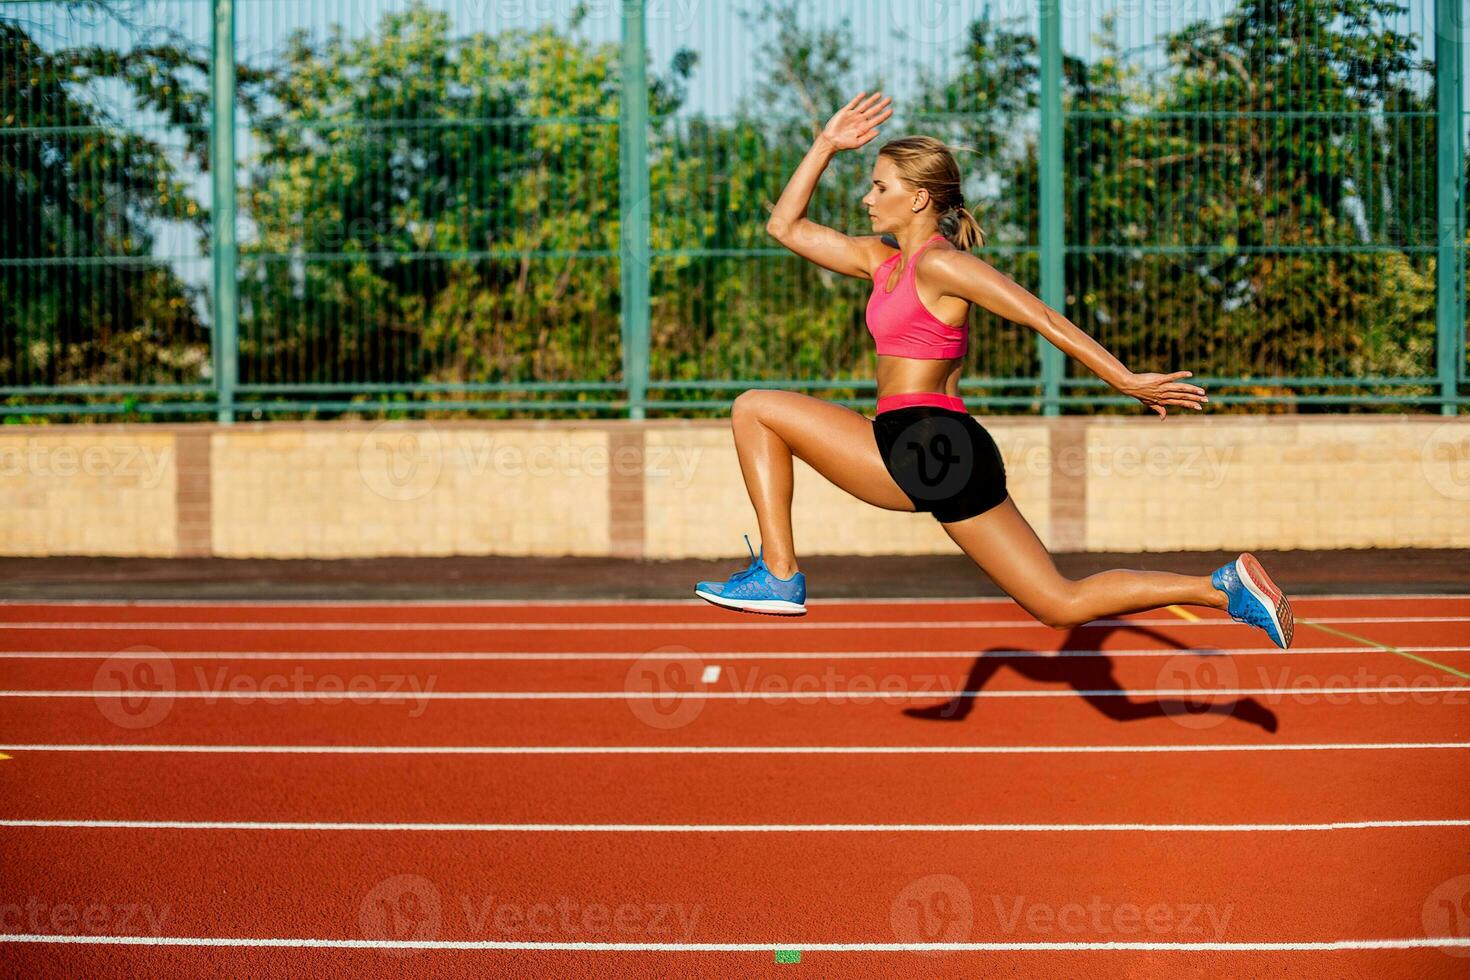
(711, 674)
(745, 623)
(673, 603)
(716, 828)
(1437, 942)
(735, 749)
(553, 603)
(791, 695)
(595, 655)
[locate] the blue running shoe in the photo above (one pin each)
(756, 590)
(1254, 598)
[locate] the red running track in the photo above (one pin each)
(1338, 764)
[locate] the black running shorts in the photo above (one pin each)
(944, 460)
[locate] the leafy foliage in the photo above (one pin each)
(421, 206)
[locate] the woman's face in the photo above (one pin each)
(889, 202)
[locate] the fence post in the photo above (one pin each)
(1449, 280)
(224, 251)
(634, 208)
(1053, 271)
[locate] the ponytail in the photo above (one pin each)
(959, 226)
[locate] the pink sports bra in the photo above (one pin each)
(902, 325)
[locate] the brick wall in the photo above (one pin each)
(673, 488)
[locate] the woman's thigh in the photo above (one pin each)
(1005, 546)
(835, 441)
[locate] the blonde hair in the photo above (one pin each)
(923, 162)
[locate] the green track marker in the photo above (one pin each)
(788, 956)
(1384, 646)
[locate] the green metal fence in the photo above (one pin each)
(260, 208)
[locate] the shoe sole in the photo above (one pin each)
(771, 607)
(1254, 578)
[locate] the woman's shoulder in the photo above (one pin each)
(882, 251)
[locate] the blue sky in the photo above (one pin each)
(892, 34)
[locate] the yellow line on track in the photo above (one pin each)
(1384, 646)
(1186, 614)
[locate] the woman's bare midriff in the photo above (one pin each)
(905, 375)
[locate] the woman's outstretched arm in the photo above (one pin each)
(852, 126)
(970, 277)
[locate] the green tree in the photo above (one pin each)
(83, 196)
(391, 165)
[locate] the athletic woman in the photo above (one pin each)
(923, 451)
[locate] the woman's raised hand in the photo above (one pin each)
(1159, 390)
(857, 122)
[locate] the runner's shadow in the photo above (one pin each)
(1088, 673)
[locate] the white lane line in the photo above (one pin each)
(702, 828)
(732, 749)
(744, 624)
(595, 655)
(799, 696)
(1435, 942)
(307, 603)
